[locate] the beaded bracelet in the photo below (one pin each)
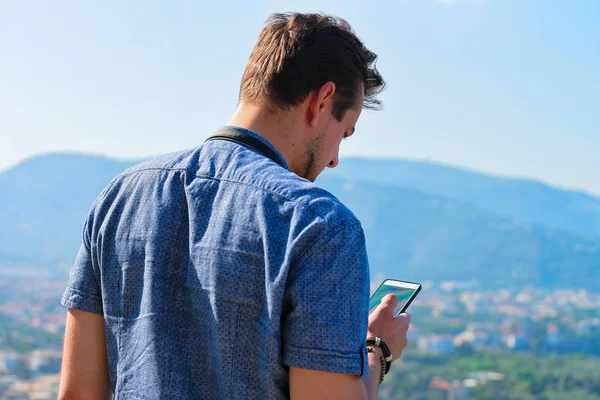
(371, 349)
(387, 354)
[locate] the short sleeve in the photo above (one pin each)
(328, 292)
(83, 290)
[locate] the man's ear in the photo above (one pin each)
(320, 103)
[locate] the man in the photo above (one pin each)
(223, 271)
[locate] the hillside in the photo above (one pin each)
(412, 233)
(526, 200)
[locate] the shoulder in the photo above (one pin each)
(153, 169)
(320, 221)
(143, 183)
(231, 162)
(310, 199)
(181, 160)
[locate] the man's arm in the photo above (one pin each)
(84, 372)
(306, 384)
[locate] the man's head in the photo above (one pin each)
(315, 67)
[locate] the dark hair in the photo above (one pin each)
(298, 53)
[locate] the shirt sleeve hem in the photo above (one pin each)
(73, 298)
(326, 361)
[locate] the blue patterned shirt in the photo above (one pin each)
(215, 270)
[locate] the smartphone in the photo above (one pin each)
(404, 291)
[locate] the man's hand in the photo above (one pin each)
(84, 372)
(392, 330)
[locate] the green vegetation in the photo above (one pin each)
(526, 376)
(17, 337)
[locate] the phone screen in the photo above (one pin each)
(404, 291)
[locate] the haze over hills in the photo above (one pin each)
(422, 221)
(416, 236)
(522, 199)
(43, 202)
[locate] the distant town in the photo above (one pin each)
(533, 319)
(448, 318)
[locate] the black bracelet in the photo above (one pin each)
(387, 354)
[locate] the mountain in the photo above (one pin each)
(521, 199)
(43, 202)
(415, 236)
(415, 229)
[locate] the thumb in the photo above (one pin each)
(390, 301)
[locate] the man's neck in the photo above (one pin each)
(280, 129)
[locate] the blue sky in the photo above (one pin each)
(508, 87)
